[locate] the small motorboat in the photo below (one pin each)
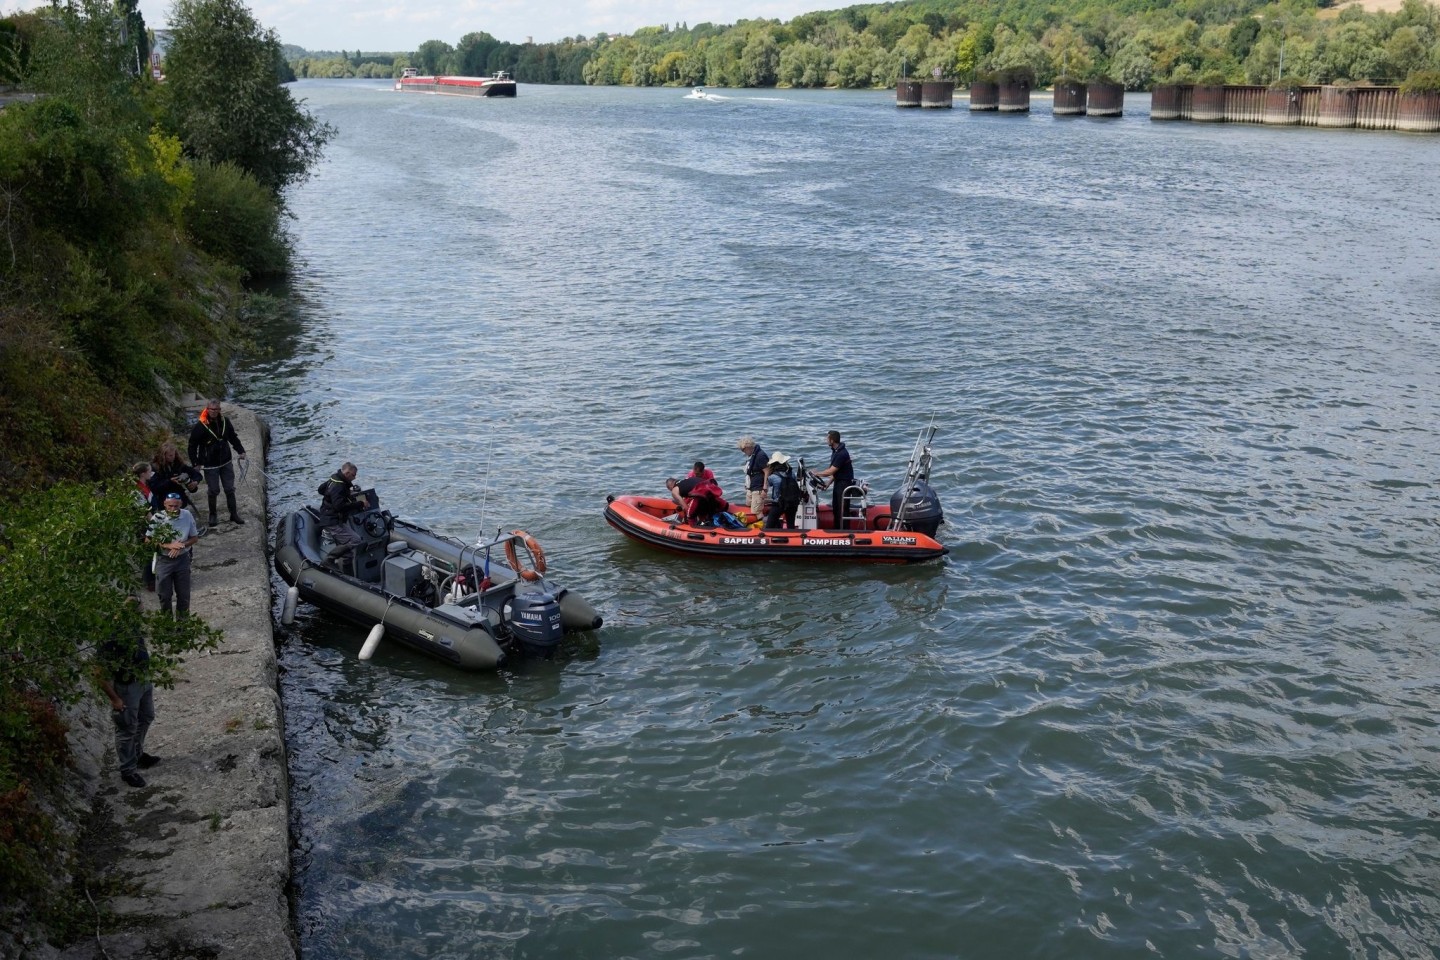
(902, 531)
(474, 606)
(699, 93)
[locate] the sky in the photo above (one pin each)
(402, 25)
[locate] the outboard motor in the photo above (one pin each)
(534, 619)
(915, 505)
(919, 511)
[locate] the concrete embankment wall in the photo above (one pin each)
(197, 862)
(1368, 108)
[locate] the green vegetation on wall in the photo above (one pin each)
(133, 212)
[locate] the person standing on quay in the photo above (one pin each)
(210, 441)
(173, 534)
(123, 662)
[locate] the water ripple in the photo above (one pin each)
(1172, 691)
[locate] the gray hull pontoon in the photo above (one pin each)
(430, 591)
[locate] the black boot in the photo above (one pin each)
(213, 498)
(230, 502)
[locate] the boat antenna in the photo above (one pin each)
(485, 491)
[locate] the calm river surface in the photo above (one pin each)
(1174, 691)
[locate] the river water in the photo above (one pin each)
(1172, 693)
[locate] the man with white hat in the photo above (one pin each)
(784, 492)
(173, 534)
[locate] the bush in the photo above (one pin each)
(1290, 83)
(69, 563)
(1422, 81)
(236, 220)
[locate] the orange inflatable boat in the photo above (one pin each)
(901, 532)
(652, 521)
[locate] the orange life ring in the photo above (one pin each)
(537, 556)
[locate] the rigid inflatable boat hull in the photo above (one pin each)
(644, 520)
(470, 633)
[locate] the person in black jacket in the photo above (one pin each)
(210, 441)
(172, 473)
(339, 498)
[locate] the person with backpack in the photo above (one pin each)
(784, 492)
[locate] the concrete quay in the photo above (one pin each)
(197, 862)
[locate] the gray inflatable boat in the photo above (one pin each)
(473, 606)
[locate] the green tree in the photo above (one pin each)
(913, 49)
(760, 60)
(1351, 52)
(642, 68)
(80, 54)
(1134, 65)
(1242, 38)
(970, 48)
(432, 56)
(1070, 55)
(1018, 50)
(223, 100)
(1405, 51)
(69, 562)
(804, 65)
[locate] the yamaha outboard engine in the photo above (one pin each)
(534, 619)
(919, 510)
(915, 505)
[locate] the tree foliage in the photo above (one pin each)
(69, 564)
(224, 100)
(1137, 42)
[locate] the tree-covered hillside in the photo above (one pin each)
(1137, 42)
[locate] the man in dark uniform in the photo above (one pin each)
(210, 441)
(843, 474)
(339, 498)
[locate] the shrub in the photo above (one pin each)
(69, 563)
(235, 219)
(1422, 81)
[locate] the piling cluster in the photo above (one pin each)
(929, 94)
(1073, 98)
(1366, 108)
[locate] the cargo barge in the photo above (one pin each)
(500, 85)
